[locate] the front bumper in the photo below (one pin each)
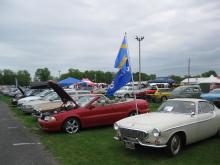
(137, 141)
(50, 125)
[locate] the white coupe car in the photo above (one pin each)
(176, 123)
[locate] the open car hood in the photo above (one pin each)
(59, 90)
(22, 92)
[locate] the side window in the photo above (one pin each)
(196, 90)
(205, 107)
(188, 90)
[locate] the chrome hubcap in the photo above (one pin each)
(72, 126)
(175, 145)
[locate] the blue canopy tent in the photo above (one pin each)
(68, 81)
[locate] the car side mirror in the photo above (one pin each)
(193, 114)
(91, 107)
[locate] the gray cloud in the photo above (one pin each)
(87, 34)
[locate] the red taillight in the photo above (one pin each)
(150, 91)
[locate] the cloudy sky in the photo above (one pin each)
(87, 34)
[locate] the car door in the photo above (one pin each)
(206, 122)
(98, 113)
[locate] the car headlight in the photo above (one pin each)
(156, 132)
(49, 118)
(116, 126)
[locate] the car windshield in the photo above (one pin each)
(43, 93)
(176, 106)
(179, 90)
(82, 101)
(215, 91)
(51, 97)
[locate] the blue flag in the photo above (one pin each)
(122, 57)
(123, 76)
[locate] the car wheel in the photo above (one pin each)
(164, 98)
(71, 125)
(174, 145)
(133, 113)
(126, 96)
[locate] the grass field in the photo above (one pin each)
(97, 146)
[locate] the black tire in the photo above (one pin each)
(71, 125)
(133, 113)
(164, 98)
(174, 145)
(126, 96)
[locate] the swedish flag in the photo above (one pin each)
(122, 57)
(123, 76)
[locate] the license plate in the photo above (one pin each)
(130, 145)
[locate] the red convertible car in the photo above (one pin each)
(89, 111)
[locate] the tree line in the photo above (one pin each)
(7, 76)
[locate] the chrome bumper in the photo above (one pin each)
(137, 141)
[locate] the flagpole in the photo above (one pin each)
(132, 79)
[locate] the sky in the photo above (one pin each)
(87, 34)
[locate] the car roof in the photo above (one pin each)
(188, 99)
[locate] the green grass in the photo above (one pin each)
(97, 146)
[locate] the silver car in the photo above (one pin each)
(177, 122)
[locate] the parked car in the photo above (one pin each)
(156, 94)
(89, 111)
(189, 91)
(213, 95)
(176, 123)
(46, 107)
(26, 93)
(28, 107)
(127, 91)
(32, 98)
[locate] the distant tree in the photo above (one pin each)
(209, 73)
(178, 79)
(1, 77)
(23, 77)
(42, 74)
(8, 77)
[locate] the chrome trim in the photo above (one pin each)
(139, 142)
(151, 145)
(188, 124)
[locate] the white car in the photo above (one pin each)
(177, 122)
(32, 98)
(127, 91)
(29, 106)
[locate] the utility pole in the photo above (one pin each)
(188, 70)
(59, 74)
(139, 39)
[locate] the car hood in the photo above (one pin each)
(60, 91)
(30, 98)
(35, 102)
(149, 121)
(48, 106)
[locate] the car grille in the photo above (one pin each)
(129, 133)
